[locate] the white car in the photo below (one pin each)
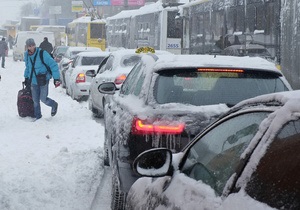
(77, 83)
(68, 57)
(114, 69)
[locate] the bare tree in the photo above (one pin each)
(27, 9)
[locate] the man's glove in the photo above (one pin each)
(56, 83)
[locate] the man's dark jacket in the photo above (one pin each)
(3, 47)
(45, 45)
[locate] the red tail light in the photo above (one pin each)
(80, 78)
(220, 70)
(120, 79)
(142, 127)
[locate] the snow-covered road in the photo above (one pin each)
(52, 163)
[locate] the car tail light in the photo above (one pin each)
(143, 127)
(220, 70)
(80, 78)
(120, 79)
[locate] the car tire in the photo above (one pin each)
(72, 94)
(67, 91)
(96, 112)
(90, 100)
(107, 147)
(106, 155)
(63, 81)
(118, 197)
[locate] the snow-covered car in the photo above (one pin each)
(247, 50)
(167, 100)
(247, 159)
(77, 83)
(114, 69)
(58, 52)
(68, 57)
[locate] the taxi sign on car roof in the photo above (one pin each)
(145, 50)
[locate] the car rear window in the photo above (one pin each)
(74, 53)
(130, 60)
(214, 87)
(91, 61)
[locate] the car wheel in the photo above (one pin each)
(72, 94)
(90, 102)
(67, 91)
(95, 111)
(63, 80)
(106, 156)
(118, 197)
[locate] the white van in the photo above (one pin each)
(20, 42)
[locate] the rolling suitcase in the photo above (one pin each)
(25, 103)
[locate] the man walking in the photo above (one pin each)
(46, 45)
(3, 50)
(37, 77)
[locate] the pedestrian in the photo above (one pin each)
(46, 45)
(3, 51)
(37, 77)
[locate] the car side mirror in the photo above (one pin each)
(154, 163)
(90, 73)
(107, 88)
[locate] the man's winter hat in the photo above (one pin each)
(30, 42)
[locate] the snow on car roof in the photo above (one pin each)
(124, 51)
(214, 61)
(84, 48)
(280, 97)
(93, 53)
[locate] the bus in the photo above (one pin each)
(290, 39)
(11, 29)
(154, 25)
(205, 22)
(85, 31)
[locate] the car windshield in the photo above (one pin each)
(206, 88)
(74, 53)
(86, 61)
(61, 50)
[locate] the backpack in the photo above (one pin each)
(42, 59)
